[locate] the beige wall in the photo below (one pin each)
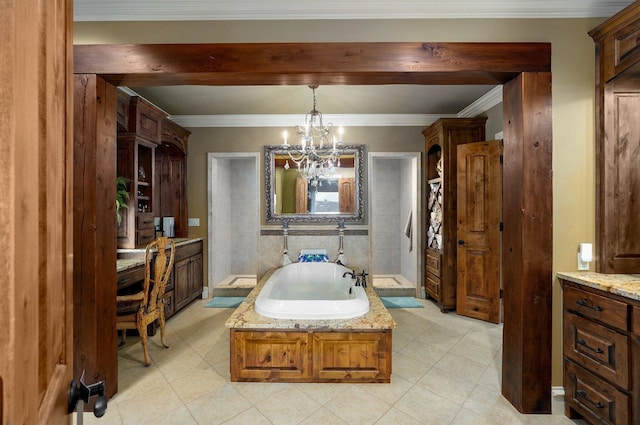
(573, 105)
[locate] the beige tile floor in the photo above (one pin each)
(446, 370)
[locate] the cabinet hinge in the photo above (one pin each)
(501, 226)
(501, 159)
(501, 293)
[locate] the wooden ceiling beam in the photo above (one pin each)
(311, 63)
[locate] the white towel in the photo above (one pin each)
(408, 230)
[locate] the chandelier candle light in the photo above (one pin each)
(317, 155)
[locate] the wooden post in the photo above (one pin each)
(94, 232)
(527, 242)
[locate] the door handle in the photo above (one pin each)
(583, 394)
(82, 393)
(582, 342)
(460, 242)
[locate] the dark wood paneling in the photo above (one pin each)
(312, 63)
(94, 224)
(527, 243)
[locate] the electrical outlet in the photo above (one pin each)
(582, 265)
(193, 222)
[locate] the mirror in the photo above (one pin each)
(328, 199)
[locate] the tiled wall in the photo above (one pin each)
(356, 245)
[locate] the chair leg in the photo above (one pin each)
(142, 330)
(124, 337)
(162, 324)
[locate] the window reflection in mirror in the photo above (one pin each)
(334, 196)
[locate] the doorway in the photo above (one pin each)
(233, 214)
(394, 222)
(524, 69)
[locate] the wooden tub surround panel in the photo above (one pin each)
(310, 356)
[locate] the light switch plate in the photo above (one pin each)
(193, 222)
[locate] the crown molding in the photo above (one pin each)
(492, 98)
(220, 10)
(289, 120)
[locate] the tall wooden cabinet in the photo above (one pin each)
(618, 142)
(152, 157)
(171, 175)
(441, 140)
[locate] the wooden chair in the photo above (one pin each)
(137, 311)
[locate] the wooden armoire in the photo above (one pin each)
(441, 141)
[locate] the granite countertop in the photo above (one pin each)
(124, 264)
(245, 316)
(178, 241)
(625, 285)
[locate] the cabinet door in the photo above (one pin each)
(195, 276)
(181, 283)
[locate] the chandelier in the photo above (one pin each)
(318, 154)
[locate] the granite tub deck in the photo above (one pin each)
(337, 350)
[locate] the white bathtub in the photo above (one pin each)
(311, 291)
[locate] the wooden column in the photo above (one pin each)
(94, 231)
(527, 242)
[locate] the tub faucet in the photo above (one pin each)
(361, 279)
(352, 274)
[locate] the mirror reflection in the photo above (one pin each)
(331, 195)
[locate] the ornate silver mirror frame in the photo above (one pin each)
(357, 217)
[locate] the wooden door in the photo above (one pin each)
(301, 195)
(479, 181)
(36, 322)
(347, 195)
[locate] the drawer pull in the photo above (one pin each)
(588, 347)
(583, 394)
(583, 303)
(125, 280)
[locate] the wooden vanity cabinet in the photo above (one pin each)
(617, 142)
(601, 350)
(187, 275)
(441, 141)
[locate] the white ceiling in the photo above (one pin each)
(383, 105)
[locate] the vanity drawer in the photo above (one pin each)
(597, 348)
(613, 313)
(636, 320)
(188, 250)
(145, 221)
(130, 277)
(145, 236)
(593, 398)
(433, 286)
(433, 260)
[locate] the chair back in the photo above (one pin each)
(153, 288)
